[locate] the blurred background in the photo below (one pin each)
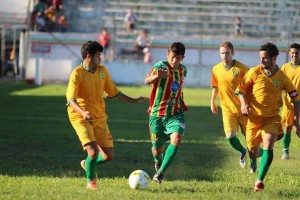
(41, 39)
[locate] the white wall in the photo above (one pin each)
(53, 56)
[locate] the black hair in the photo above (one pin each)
(270, 48)
(295, 46)
(90, 47)
(178, 48)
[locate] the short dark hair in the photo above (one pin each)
(177, 48)
(90, 47)
(270, 48)
(227, 45)
(295, 46)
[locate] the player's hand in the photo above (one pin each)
(162, 73)
(86, 116)
(245, 109)
(214, 108)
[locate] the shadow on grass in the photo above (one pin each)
(38, 140)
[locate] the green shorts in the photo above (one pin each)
(161, 128)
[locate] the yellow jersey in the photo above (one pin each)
(293, 72)
(227, 80)
(264, 92)
(88, 89)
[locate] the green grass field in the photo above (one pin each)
(40, 152)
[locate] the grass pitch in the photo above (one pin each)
(40, 152)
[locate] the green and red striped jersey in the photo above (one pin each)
(167, 96)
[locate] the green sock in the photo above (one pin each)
(158, 158)
(260, 153)
(265, 163)
(286, 141)
(252, 162)
(169, 157)
(235, 143)
(100, 159)
(90, 166)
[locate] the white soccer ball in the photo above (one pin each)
(139, 179)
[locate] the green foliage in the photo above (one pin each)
(40, 152)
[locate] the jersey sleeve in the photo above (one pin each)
(246, 83)
(110, 87)
(73, 85)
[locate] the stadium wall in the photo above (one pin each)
(51, 58)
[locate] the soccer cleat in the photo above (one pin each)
(243, 159)
(82, 164)
(92, 185)
(285, 156)
(258, 186)
(158, 177)
(156, 166)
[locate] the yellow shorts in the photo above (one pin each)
(96, 131)
(257, 126)
(287, 116)
(232, 123)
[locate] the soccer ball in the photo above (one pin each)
(139, 179)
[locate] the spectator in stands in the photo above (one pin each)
(238, 28)
(38, 16)
(51, 15)
(147, 55)
(143, 41)
(130, 21)
(62, 23)
(58, 4)
(104, 40)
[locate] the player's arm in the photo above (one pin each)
(126, 98)
(244, 104)
(155, 75)
(85, 114)
(213, 105)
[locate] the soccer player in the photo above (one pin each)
(292, 70)
(86, 108)
(225, 78)
(166, 119)
(260, 94)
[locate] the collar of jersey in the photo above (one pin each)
(294, 65)
(269, 74)
(227, 67)
(88, 69)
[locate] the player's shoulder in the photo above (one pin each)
(241, 65)
(161, 65)
(218, 66)
(285, 65)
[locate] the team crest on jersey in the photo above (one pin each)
(175, 86)
(102, 74)
(276, 83)
(235, 72)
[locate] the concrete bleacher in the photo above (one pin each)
(267, 18)
(273, 20)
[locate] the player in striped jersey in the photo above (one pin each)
(260, 94)
(226, 76)
(166, 119)
(292, 70)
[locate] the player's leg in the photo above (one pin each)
(175, 140)
(266, 159)
(85, 132)
(287, 118)
(158, 139)
(104, 140)
(175, 126)
(91, 164)
(231, 124)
